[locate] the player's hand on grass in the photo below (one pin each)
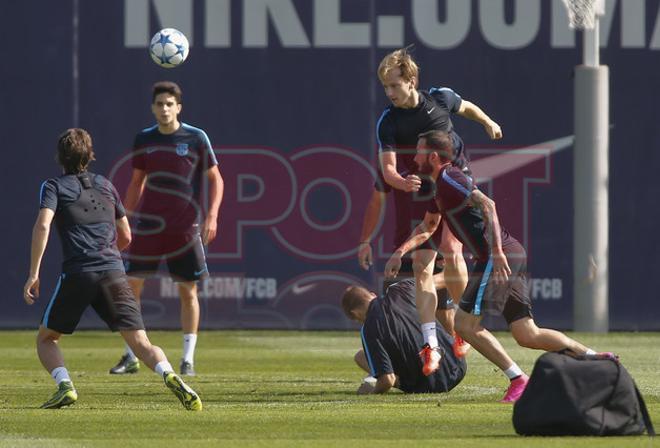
(365, 388)
(493, 130)
(31, 290)
(365, 255)
(393, 266)
(501, 269)
(209, 229)
(413, 183)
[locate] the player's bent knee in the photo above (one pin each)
(524, 340)
(422, 269)
(462, 325)
(188, 291)
(45, 335)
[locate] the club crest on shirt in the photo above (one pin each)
(182, 149)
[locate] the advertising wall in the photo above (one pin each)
(288, 94)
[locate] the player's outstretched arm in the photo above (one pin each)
(418, 237)
(40, 233)
(473, 112)
(373, 215)
(393, 178)
(216, 192)
(501, 269)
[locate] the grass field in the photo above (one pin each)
(275, 389)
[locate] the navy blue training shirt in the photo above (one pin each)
(398, 128)
(85, 220)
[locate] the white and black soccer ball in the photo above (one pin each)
(169, 48)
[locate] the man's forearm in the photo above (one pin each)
(39, 242)
(133, 195)
(372, 216)
(493, 229)
(475, 113)
(394, 179)
(420, 235)
(216, 193)
(414, 241)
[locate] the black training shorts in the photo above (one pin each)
(510, 300)
(108, 293)
(185, 264)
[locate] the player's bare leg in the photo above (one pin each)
(139, 343)
(426, 298)
(456, 273)
(156, 360)
(469, 328)
(456, 277)
(129, 361)
(361, 360)
(48, 349)
(528, 335)
(444, 316)
(51, 358)
(426, 301)
(189, 324)
(446, 319)
(137, 285)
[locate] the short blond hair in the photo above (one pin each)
(402, 60)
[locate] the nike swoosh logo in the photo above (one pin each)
(150, 150)
(200, 272)
(297, 289)
(429, 111)
(501, 164)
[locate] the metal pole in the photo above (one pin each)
(590, 193)
(591, 46)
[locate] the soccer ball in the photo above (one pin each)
(169, 48)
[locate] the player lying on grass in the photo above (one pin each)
(391, 337)
(93, 228)
(498, 280)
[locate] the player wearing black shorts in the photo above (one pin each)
(498, 280)
(172, 162)
(391, 338)
(93, 228)
(412, 112)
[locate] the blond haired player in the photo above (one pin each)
(411, 113)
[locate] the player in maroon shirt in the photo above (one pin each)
(172, 163)
(498, 281)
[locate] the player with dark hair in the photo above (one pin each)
(498, 280)
(412, 112)
(93, 228)
(391, 337)
(173, 162)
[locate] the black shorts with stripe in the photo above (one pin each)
(511, 300)
(107, 292)
(187, 263)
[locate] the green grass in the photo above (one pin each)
(275, 389)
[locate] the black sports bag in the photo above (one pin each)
(588, 395)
